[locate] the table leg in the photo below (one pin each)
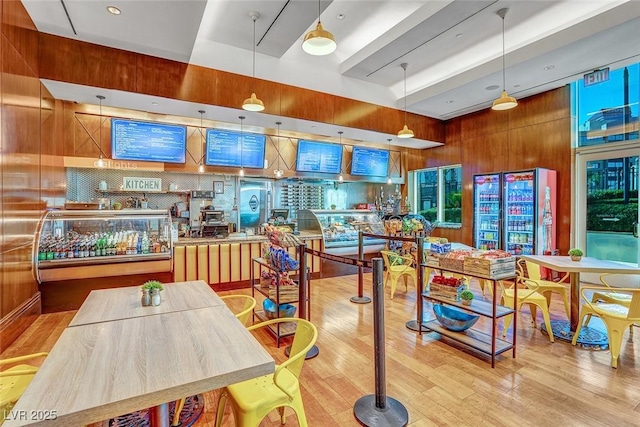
(575, 300)
(159, 416)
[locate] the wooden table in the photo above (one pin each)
(124, 303)
(98, 371)
(574, 268)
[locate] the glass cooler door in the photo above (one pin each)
(486, 211)
(519, 212)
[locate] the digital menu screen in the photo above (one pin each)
(235, 149)
(313, 156)
(369, 162)
(146, 141)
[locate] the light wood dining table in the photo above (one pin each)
(574, 268)
(102, 369)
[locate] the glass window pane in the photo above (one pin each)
(452, 188)
(427, 193)
(608, 111)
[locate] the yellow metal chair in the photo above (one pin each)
(527, 294)
(14, 381)
(242, 306)
(611, 296)
(398, 266)
(616, 317)
(546, 287)
(253, 399)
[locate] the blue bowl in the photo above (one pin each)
(454, 319)
(286, 310)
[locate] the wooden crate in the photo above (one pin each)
(452, 264)
(288, 293)
(447, 292)
(490, 267)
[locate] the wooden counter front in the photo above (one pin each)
(228, 260)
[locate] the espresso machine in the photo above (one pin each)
(198, 201)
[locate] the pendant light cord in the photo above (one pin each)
(319, 11)
(278, 144)
(254, 46)
(504, 84)
(202, 139)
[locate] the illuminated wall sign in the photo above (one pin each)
(596, 76)
(141, 184)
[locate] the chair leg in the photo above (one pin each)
(222, 402)
(283, 417)
(394, 283)
(577, 332)
(534, 314)
(567, 307)
(547, 322)
(615, 342)
(298, 408)
(178, 410)
(508, 319)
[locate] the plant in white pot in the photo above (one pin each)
(575, 254)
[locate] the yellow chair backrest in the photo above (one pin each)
(240, 305)
(634, 308)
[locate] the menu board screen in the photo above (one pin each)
(235, 149)
(146, 141)
(313, 156)
(369, 162)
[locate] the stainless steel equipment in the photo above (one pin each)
(198, 201)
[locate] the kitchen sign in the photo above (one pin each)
(596, 76)
(141, 184)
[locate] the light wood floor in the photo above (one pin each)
(440, 383)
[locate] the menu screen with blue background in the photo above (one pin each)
(145, 141)
(313, 156)
(229, 148)
(369, 162)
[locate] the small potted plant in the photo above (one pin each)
(466, 297)
(153, 288)
(575, 254)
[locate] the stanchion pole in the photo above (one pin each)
(360, 299)
(379, 409)
(416, 324)
(303, 296)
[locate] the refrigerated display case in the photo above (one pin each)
(487, 191)
(80, 244)
(529, 203)
(340, 229)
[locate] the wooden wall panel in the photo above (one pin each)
(88, 64)
(21, 204)
(546, 107)
(306, 104)
(161, 77)
(355, 114)
(21, 32)
(482, 123)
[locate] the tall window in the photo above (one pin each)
(438, 193)
(607, 112)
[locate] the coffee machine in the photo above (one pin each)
(212, 223)
(198, 201)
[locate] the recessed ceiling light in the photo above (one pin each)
(492, 87)
(154, 103)
(340, 16)
(516, 85)
(114, 10)
(451, 101)
(549, 67)
(459, 35)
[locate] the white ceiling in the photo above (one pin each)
(453, 48)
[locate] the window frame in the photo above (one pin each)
(414, 188)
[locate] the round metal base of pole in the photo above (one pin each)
(413, 324)
(360, 300)
(310, 354)
(367, 414)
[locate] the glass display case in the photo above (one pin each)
(77, 244)
(340, 229)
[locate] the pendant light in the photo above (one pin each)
(253, 103)
(241, 173)
(202, 144)
(340, 177)
(278, 172)
(405, 132)
(505, 102)
(319, 41)
(388, 171)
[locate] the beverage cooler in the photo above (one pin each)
(520, 218)
(487, 192)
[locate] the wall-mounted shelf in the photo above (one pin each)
(114, 191)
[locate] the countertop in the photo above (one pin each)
(189, 241)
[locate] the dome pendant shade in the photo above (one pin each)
(253, 103)
(319, 42)
(405, 132)
(505, 102)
